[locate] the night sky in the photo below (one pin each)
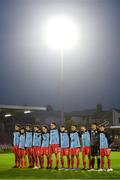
(30, 70)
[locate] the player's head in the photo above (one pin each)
(83, 128)
(36, 128)
(73, 127)
(29, 127)
(62, 128)
(94, 126)
(102, 128)
(22, 130)
(45, 129)
(17, 127)
(53, 125)
(39, 129)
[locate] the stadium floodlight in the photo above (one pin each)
(27, 112)
(61, 33)
(8, 115)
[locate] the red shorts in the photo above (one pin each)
(29, 150)
(105, 152)
(22, 152)
(16, 150)
(36, 150)
(45, 151)
(86, 150)
(74, 151)
(53, 148)
(64, 151)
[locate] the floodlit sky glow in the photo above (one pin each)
(30, 68)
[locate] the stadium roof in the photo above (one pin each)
(114, 127)
(15, 108)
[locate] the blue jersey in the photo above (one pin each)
(74, 140)
(16, 138)
(22, 141)
(29, 140)
(64, 140)
(45, 140)
(85, 138)
(103, 141)
(54, 136)
(36, 139)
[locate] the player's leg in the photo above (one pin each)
(23, 159)
(50, 156)
(93, 162)
(98, 162)
(47, 157)
(78, 160)
(92, 157)
(89, 161)
(42, 161)
(62, 157)
(72, 161)
(102, 162)
(68, 161)
(84, 161)
(57, 160)
(109, 163)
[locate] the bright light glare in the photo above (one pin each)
(27, 112)
(61, 32)
(8, 115)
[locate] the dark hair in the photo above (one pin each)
(18, 125)
(46, 127)
(94, 123)
(62, 126)
(53, 123)
(102, 126)
(37, 126)
(30, 125)
(22, 127)
(74, 125)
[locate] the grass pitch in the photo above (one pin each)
(7, 172)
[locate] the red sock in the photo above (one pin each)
(89, 163)
(78, 163)
(109, 163)
(68, 163)
(42, 163)
(62, 162)
(102, 163)
(47, 162)
(50, 163)
(57, 163)
(84, 164)
(36, 162)
(72, 161)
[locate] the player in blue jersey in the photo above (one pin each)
(28, 145)
(54, 144)
(45, 145)
(16, 140)
(37, 146)
(74, 145)
(64, 145)
(22, 152)
(105, 142)
(86, 148)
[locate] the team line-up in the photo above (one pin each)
(37, 142)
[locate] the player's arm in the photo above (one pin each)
(108, 138)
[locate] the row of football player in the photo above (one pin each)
(39, 142)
